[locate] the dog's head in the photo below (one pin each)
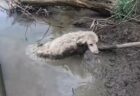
(90, 39)
(92, 46)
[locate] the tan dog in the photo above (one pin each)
(69, 44)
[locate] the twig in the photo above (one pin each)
(3, 8)
(39, 41)
(45, 12)
(26, 38)
(38, 11)
(94, 25)
(24, 10)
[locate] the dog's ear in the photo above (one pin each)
(81, 41)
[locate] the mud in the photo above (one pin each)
(119, 69)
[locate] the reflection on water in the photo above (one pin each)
(26, 77)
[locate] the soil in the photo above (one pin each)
(119, 70)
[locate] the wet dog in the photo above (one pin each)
(69, 44)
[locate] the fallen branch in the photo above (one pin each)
(118, 46)
(104, 7)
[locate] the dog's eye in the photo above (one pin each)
(91, 44)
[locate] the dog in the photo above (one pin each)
(69, 44)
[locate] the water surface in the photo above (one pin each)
(25, 76)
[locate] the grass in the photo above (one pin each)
(125, 9)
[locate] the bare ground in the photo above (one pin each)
(119, 70)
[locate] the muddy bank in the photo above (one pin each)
(118, 70)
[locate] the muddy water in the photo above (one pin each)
(27, 76)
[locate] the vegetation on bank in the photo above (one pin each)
(126, 9)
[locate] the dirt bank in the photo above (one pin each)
(119, 70)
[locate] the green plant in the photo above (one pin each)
(125, 9)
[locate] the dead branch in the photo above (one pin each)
(118, 46)
(26, 38)
(39, 41)
(104, 7)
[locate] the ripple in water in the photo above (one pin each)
(72, 76)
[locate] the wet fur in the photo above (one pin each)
(67, 45)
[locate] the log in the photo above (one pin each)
(102, 6)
